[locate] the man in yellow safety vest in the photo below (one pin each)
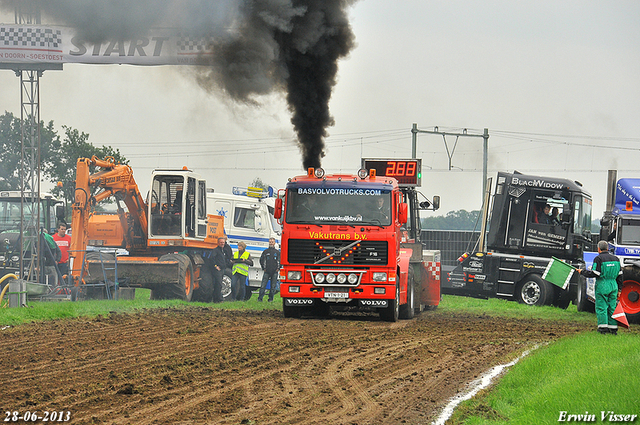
(241, 262)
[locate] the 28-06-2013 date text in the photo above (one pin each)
(45, 416)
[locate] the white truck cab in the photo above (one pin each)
(248, 217)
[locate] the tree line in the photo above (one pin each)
(453, 220)
(58, 155)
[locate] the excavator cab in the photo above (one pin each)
(177, 206)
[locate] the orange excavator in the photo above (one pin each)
(165, 236)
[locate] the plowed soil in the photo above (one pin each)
(201, 365)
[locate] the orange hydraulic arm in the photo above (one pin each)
(114, 180)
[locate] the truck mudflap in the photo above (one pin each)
(135, 272)
(430, 294)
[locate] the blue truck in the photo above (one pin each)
(620, 226)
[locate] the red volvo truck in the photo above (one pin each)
(352, 241)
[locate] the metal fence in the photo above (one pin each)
(451, 243)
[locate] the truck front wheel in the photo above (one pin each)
(407, 311)
(392, 312)
(204, 293)
(183, 290)
(533, 290)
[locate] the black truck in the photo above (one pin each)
(532, 219)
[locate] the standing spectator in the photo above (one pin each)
(241, 262)
(64, 242)
(217, 262)
(52, 256)
(228, 253)
(606, 270)
(270, 263)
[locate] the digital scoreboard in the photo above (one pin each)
(408, 172)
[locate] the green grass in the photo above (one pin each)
(504, 308)
(51, 310)
(588, 372)
(37, 311)
(585, 373)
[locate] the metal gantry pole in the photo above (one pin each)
(30, 176)
(485, 149)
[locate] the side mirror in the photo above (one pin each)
(257, 224)
(60, 212)
(566, 216)
(277, 211)
(403, 213)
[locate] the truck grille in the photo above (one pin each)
(306, 251)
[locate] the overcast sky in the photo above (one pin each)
(557, 83)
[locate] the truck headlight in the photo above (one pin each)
(294, 289)
(353, 278)
(2, 258)
(342, 278)
(379, 291)
(15, 258)
(294, 275)
(319, 278)
(379, 277)
(331, 278)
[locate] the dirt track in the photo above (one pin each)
(202, 365)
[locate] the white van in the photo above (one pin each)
(250, 219)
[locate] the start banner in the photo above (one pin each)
(54, 44)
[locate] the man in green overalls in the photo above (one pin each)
(606, 269)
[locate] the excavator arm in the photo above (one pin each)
(113, 179)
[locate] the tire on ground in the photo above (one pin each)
(630, 295)
(407, 311)
(227, 289)
(582, 302)
(558, 300)
(392, 312)
(183, 290)
(204, 293)
(533, 290)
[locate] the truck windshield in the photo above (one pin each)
(338, 206)
(629, 231)
(10, 214)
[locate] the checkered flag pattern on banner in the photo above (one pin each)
(188, 43)
(30, 37)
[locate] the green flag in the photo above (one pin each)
(558, 272)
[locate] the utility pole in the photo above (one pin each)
(485, 149)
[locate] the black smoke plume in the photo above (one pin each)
(260, 46)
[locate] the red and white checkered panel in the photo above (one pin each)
(433, 267)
